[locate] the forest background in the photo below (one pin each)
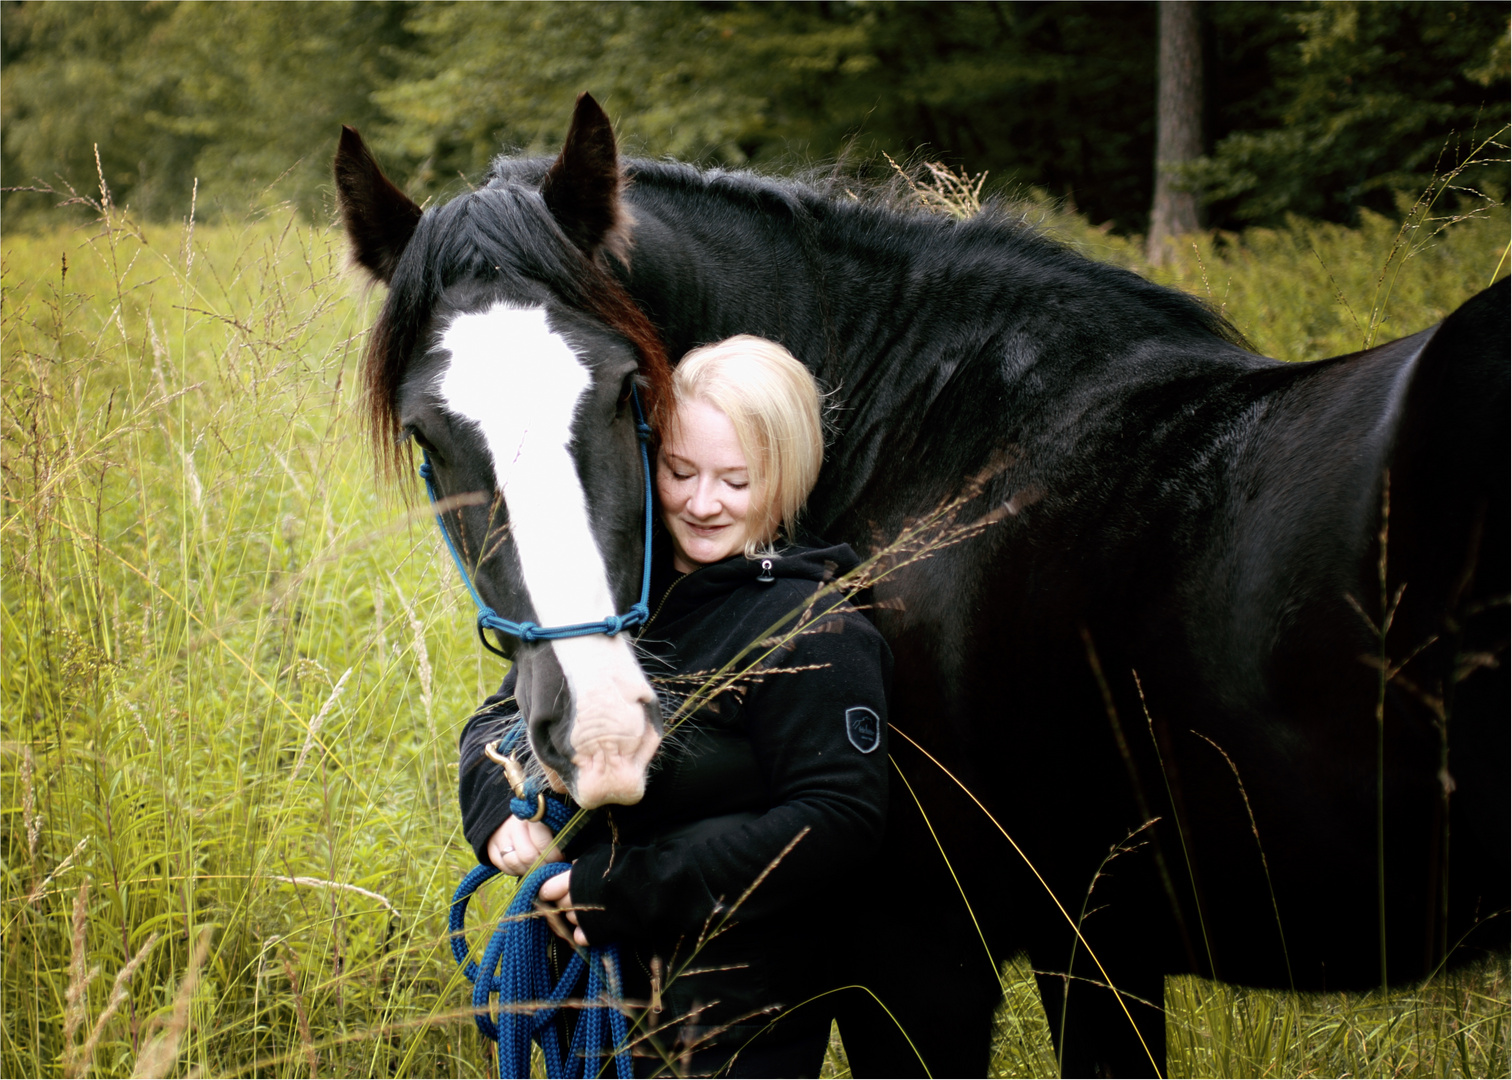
(1312, 109)
(232, 669)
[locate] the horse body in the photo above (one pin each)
(1202, 516)
(1161, 645)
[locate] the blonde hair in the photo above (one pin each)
(774, 405)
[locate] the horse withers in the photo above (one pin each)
(1241, 623)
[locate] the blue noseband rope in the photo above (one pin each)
(488, 619)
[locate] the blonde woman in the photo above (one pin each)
(722, 885)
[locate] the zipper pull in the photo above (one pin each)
(766, 577)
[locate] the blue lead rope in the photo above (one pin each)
(515, 968)
(488, 619)
(515, 965)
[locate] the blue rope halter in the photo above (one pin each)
(515, 965)
(488, 619)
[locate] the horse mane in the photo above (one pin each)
(492, 235)
(860, 206)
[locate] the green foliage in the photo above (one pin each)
(80, 76)
(1317, 109)
(1364, 101)
(489, 76)
(1053, 94)
(232, 95)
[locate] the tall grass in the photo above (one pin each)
(219, 702)
(233, 672)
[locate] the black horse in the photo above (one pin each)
(1240, 623)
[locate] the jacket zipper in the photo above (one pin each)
(660, 604)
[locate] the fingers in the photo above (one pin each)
(555, 902)
(518, 845)
(514, 848)
(556, 889)
(554, 920)
(538, 838)
(499, 848)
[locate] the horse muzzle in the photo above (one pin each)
(612, 768)
(592, 716)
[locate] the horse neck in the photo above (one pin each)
(902, 317)
(707, 266)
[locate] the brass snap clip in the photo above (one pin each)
(515, 774)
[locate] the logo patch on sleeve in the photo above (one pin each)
(863, 728)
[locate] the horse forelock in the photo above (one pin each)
(494, 236)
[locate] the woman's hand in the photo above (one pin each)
(556, 897)
(516, 845)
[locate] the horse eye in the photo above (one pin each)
(420, 440)
(626, 389)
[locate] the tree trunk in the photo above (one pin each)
(1178, 125)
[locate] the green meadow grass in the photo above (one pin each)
(234, 670)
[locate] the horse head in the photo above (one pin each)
(508, 352)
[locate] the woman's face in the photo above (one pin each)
(705, 487)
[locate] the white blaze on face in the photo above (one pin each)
(520, 383)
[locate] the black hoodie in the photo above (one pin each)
(798, 742)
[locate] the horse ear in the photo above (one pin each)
(379, 218)
(582, 187)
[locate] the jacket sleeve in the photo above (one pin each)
(817, 719)
(481, 788)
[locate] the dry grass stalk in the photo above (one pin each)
(422, 659)
(29, 813)
(322, 883)
(380, 623)
(315, 724)
(919, 538)
(947, 191)
(119, 991)
(1264, 862)
(36, 894)
(306, 1039)
(78, 978)
(160, 1053)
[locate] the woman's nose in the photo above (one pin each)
(705, 502)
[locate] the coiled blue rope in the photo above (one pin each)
(515, 968)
